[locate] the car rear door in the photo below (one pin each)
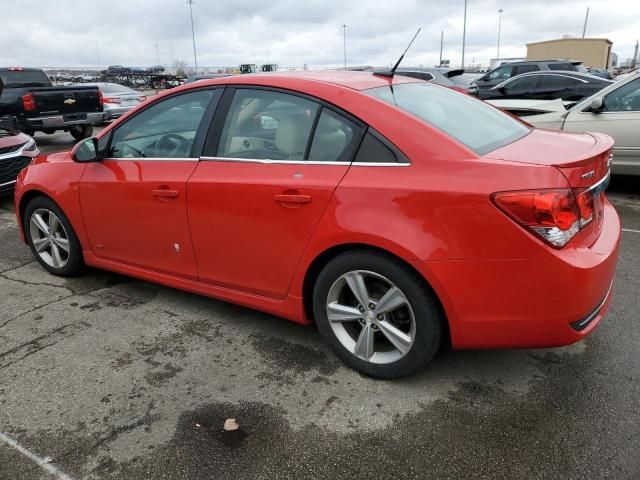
(271, 163)
(134, 202)
(620, 119)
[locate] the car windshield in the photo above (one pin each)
(472, 122)
(24, 78)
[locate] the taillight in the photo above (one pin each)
(100, 97)
(111, 100)
(555, 215)
(28, 102)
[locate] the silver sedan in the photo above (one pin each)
(117, 99)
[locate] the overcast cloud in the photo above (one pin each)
(65, 33)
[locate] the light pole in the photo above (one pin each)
(441, 42)
(464, 32)
(193, 35)
(344, 44)
(499, 27)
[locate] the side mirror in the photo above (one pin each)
(86, 151)
(597, 105)
(9, 123)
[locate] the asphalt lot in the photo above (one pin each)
(104, 376)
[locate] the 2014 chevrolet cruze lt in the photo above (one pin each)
(394, 213)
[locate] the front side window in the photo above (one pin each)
(501, 73)
(267, 125)
(624, 99)
(473, 123)
(166, 129)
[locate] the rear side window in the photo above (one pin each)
(558, 82)
(267, 125)
(24, 78)
(473, 123)
(374, 150)
(562, 66)
(335, 138)
(525, 68)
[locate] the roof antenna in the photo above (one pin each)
(391, 73)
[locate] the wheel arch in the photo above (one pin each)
(323, 258)
(27, 197)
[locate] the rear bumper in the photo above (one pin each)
(60, 121)
(114, 112)
(556, 297)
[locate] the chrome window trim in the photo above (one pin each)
(165, 159)
(12, 182)
(611, 112)
(20, 151)
(303, 162)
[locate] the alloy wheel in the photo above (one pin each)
(371, 317)
(49, 238)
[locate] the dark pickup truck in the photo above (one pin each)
(28, 94)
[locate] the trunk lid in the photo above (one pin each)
(582, 158)
(65, 101)
(576, 155)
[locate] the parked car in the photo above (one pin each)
(601, 72)
(614, 110)
(16, 152)
(117, 99)
(624, 76)
(394, 213)
(570, 86)
(508, 70)
(440, 76)
(27, 93)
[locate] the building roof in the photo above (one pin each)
(572, 39)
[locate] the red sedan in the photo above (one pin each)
(394, 213)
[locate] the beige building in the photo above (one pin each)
(594, 52)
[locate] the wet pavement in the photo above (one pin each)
(103, 376)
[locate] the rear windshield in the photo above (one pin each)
(472, 122)
(23, 78)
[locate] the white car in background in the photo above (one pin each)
(614, 110)
(117, 99)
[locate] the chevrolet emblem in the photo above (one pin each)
(70, 101)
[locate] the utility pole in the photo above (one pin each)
(584, 29)
(464, 32)
(193, 35)
(499, 28)
(441, 42)
(157, 54)
(344, 44)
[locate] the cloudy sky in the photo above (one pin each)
(66, 33)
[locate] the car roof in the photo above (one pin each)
(564, 73)
(343, 78)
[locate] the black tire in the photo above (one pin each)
(80, 132)
(74, 261)
(429, 319)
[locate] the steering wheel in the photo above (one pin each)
(172, 143)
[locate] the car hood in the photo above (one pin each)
(553, 147)
(54, 158)
(7, 140)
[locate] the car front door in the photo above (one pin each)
(271, 164)
(134, 201)
(619, 118)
